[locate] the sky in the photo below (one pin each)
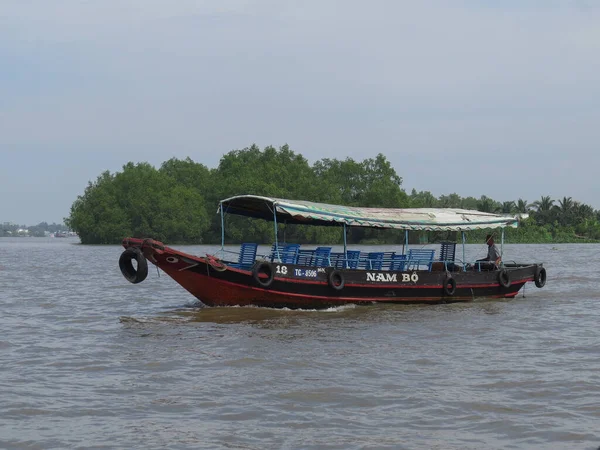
(474, 97)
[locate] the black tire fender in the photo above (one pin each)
(504, 278)
(130, 273)
(260, 268)
(449, 286)
(335, 279)
(540, 276)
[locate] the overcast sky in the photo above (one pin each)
(500, 98)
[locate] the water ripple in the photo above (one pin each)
(90, 361)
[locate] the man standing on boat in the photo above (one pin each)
(491, 261)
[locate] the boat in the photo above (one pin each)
(292, 276)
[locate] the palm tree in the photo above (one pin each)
(485, 204)
(543, 205)
(506, 207)
(523, 206)
(582, 212)
(565, 209)
(566, 204)
(543, 208)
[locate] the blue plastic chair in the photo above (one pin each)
(305, 257)
(288, 253)
(398, 262)
(418, 257)
(247, 255)
(353, 257)
(337, 260)
(321, 257)
(374, 260)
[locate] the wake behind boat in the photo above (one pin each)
(297, 277)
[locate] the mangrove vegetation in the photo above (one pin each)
(177, 202)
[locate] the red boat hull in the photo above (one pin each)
(216, 283)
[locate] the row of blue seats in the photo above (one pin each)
(353, 259)
(324, 257)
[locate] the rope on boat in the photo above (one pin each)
(188, 267)
(219, 266)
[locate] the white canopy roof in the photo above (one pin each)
(310, 213)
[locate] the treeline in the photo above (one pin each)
(559, 221)
(177, 202)
(40, 230)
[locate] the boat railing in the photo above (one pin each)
(515, 265)
(454, 265)
(349, 260)
(482, 266)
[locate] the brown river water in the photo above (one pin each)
(90, 361)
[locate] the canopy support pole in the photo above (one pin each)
(276, 243)
(502, 245)
(405, 246)
(463, 246)
(345, 249)
(222, 228)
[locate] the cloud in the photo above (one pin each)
(433, 85)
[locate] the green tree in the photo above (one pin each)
(450, 201)
(370, 183)
(138, 202)
(96, 215)
(486, 204)
(272, 172)
(522, 206)
(469, 203)
(423, 199)
(506, 207)
(565, 210)
(543, 209)
(187, 173)
(544, 204)
(582, 212)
